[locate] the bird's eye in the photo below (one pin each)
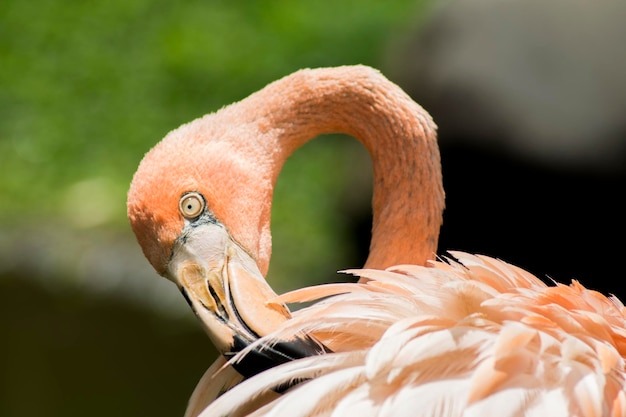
(191, 205)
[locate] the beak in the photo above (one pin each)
(224, 287)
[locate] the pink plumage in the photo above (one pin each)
(466, 335)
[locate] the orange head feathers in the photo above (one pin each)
(197, 157)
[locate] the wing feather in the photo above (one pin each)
(472, 336)
(249, 392)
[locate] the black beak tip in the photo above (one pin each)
(268, 356)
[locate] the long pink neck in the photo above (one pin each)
(400, 136)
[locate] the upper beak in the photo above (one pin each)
(229, 295)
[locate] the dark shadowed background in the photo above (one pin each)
(529, 97)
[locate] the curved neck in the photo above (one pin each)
(408, 197)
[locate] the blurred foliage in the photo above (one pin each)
(88, 87)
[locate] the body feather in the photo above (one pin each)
(468, 337)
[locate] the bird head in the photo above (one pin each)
(199, 211)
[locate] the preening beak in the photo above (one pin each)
(227, 292)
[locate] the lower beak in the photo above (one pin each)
(227, 292)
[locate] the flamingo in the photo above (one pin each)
(418, 334)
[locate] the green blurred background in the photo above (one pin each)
(86, 88)
(529, 97)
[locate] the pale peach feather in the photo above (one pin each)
(471, 336)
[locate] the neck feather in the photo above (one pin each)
(408, 197)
